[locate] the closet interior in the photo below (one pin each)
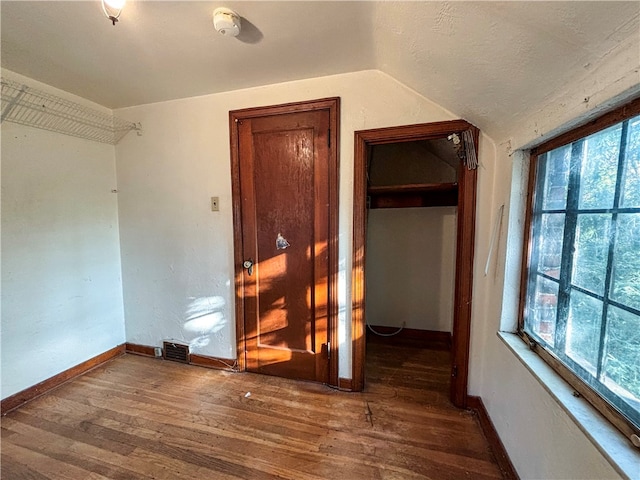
(412, 196)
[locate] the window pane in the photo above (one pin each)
(625, 280)
(599, 168)
(622, 360)
(550, 241)
(541, 320)
(586, 218)
(583, 330)
(556, 178)
(591, 252)
(631, 176)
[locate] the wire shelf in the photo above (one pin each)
(35, 108)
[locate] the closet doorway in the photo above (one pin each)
(389, 175)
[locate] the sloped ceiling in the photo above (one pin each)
(488, 62)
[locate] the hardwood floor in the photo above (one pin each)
(137, 417)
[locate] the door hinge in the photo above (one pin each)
(329, 138)
(454, 371)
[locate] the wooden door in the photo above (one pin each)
(285, 240)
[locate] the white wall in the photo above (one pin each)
(411, 255)
(542, 441)
(175, 251)
(61, 288)
(540, 437)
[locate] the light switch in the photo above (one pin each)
(215, 204)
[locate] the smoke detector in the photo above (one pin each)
(226, 22)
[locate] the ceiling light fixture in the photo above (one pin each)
(112, 9)
(226, 22)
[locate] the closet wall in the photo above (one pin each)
(411, 255)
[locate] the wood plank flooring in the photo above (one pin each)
(137, 417)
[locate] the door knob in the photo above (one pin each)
(248, 264)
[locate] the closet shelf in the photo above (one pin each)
(35, 108)
(412, 188)
(413, 195)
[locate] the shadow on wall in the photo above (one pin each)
(204, 318)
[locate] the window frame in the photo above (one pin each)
(581, 387)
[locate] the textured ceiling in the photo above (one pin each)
(489, 62)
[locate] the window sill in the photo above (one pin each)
(618, 450)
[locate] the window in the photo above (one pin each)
(581, 284)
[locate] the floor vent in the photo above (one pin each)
(176, 352)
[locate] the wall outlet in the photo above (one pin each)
(157, 351)
(215, 204)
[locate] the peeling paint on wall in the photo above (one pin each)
(281, 242)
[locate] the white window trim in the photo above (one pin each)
(618, 450)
